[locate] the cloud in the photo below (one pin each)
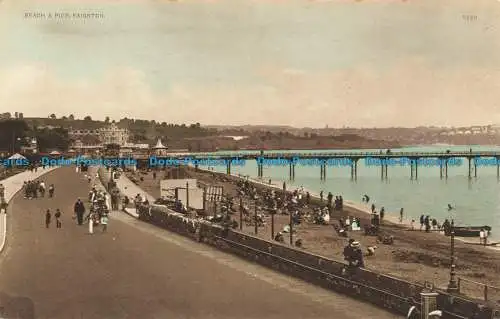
(409, 94)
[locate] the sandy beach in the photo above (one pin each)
(415, 256)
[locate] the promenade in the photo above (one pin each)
(137, 270)
(14, 184)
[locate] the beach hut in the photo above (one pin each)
(159, 149)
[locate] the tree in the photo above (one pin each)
(71, 117)
(10, 131)
(16, 115)
(106, 120)
(52, 138)
(53, 116)
(21, 116)
(64, 118)
(87, 118)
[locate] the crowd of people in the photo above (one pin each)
(37, 188)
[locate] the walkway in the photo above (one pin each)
(12, 185)
(137, 270)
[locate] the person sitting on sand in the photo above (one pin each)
(279, 237)
(450, 207)
(370, 250)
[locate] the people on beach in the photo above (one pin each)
(422, 221)
(365, 199)
(2, 191)
(353, 254)
(483, 236)
(373, 208)
(321, 196)
(450, 207)
(382, 214)
(401, 216)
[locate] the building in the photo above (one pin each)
(32, 148)
(112, 134)
(159, 149)
(78, 134)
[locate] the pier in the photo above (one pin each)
(381, 160)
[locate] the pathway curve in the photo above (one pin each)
(137, 270)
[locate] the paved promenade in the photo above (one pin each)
(137, 270)
(128, 188)
(12, 185)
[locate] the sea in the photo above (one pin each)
(476, 201)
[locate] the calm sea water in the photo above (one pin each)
(476, 201)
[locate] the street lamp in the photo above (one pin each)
(452, 285)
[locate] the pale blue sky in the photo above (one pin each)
(370, 63)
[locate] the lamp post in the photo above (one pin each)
(452, 285)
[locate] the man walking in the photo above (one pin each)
(48, 217)
(79, 211)
(57, 215)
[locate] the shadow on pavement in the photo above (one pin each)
(16, 307)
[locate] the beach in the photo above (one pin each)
(415, 256)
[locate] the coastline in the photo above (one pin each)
(390, 217)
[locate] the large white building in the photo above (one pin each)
(112, 134)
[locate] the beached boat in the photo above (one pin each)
(469, 231)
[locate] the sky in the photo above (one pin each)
(304, 63)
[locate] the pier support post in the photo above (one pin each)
(323, 172)
(411, 170)
(352, 171)
(228, 167)
(469, 159)
(386, 167)
(356, 169)
(416, 169)
(291, 228)
(498, 168)
(446, 169)
(475, 168)
(429, 303)
(440, 168)
(382, 171)
(293, 172)
(290, 172)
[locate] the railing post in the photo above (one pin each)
(429, 303)
(255, 218)
(241, 213)
(187, 196)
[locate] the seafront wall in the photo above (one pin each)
(390, 293)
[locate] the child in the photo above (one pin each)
(48, 217)
(104, 222)
(58, 216)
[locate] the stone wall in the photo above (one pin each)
(390, 293)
